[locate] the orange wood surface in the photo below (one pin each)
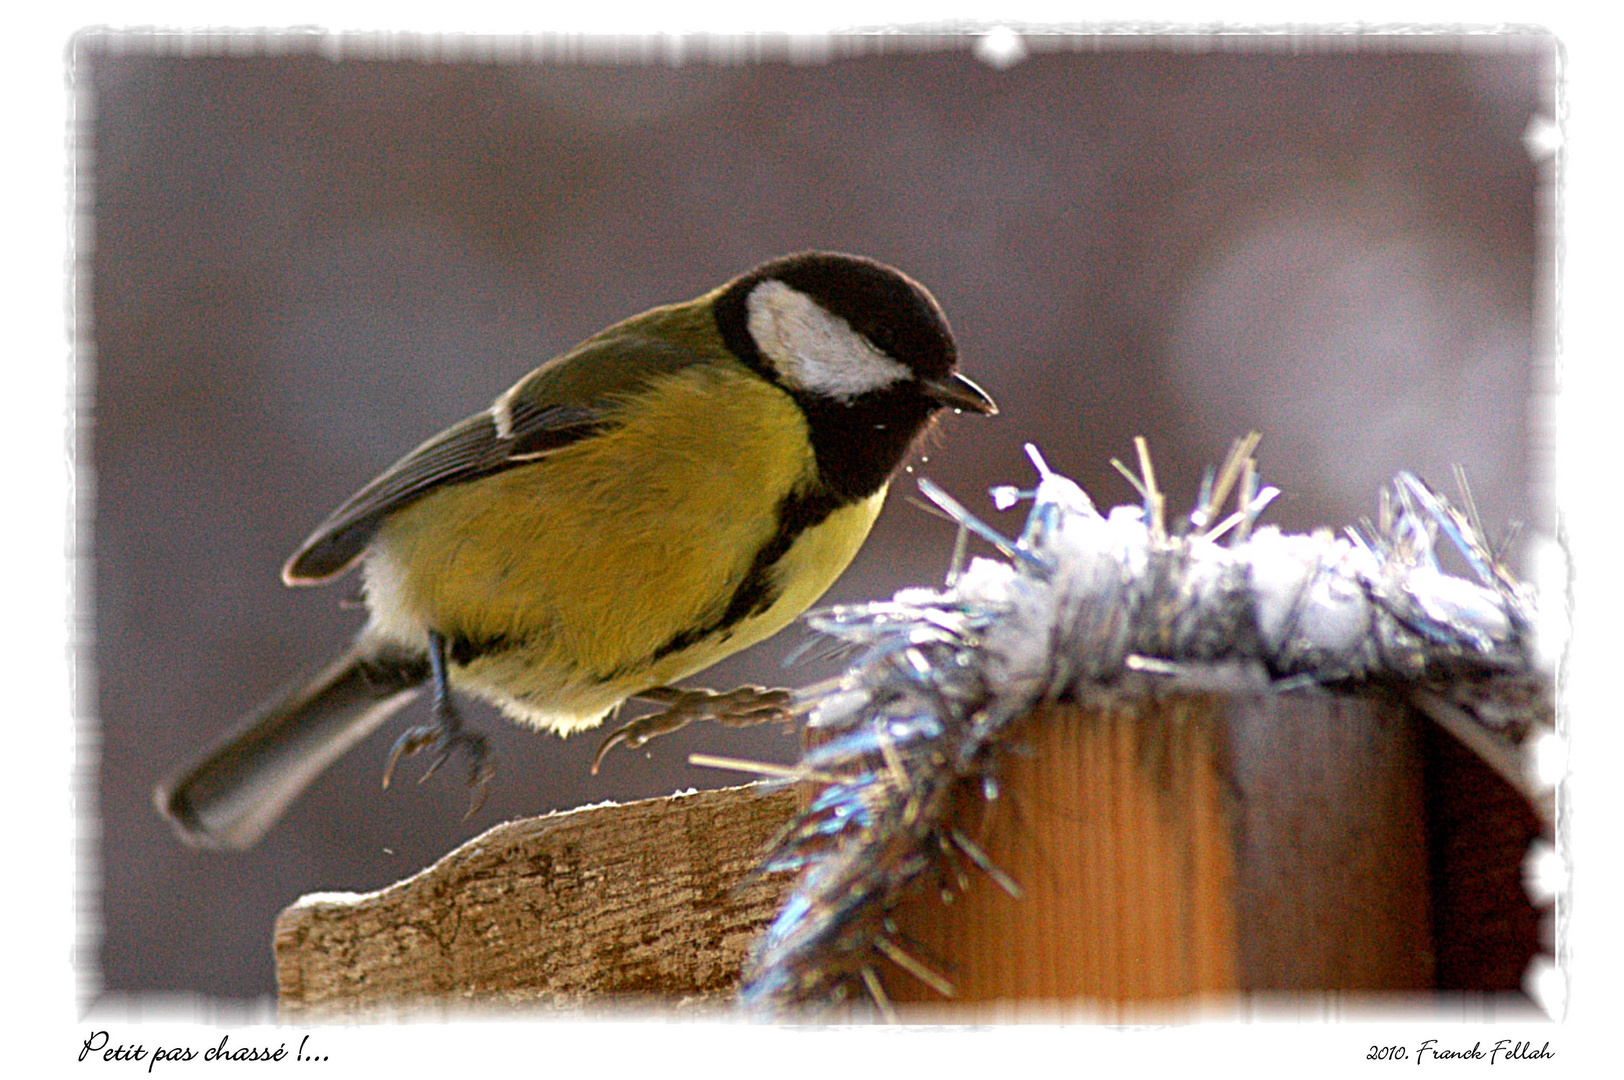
(1173, 851)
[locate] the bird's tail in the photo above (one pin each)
(238, 789)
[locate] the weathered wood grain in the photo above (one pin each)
(648, 901)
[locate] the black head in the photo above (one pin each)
(863, 349)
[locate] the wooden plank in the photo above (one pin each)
(655, 899)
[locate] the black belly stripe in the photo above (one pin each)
(798, 512)
(756, 591)
(463, 649)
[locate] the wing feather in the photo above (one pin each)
(563, 401)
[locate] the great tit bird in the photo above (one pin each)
(671, 490)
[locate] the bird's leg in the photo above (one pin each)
(743, 707)
(445, 730)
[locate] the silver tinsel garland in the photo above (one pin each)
(1084, 605)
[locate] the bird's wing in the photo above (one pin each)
(563, 401)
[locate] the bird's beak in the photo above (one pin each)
(957, 392)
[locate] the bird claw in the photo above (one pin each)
(481, 766)
(410, 742)
(743, 707)
(445, 730)
(637, 733)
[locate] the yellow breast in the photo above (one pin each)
(576, 571)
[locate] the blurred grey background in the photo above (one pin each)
(296, 268)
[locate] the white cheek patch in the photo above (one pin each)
(813, 350)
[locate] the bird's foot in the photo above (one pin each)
(445, 731)
(743, 707)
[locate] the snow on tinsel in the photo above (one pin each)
(1083, 605)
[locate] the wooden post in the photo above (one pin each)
(1173, 851)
